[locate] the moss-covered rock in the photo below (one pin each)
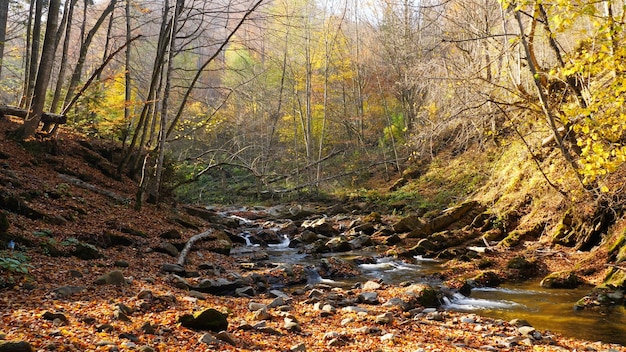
(208, 319)
(561, 279)
(486, 279)
(522, 268)
(424, 295)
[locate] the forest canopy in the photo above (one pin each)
(289, 95)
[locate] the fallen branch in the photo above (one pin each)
(183, 254)
(85, 185)
(19, 112)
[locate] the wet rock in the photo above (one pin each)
(361, 241)
(424, 295)
(148, 328)
(486, 279)
(333, 267)
(114, 277)
(322, 226)
(522, 268)
(561, 279)
(519, 322)
(208, 319)
(339, 244)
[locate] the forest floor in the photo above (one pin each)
(58, 306)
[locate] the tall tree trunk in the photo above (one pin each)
(84, 48)
(127, 78)
(43, 73)
(68, 16)
(33, 36)
(4, 13)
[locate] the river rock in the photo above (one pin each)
(291, 325)
(368, 298)
(219, 286)
(361, 241)
(208, 319)
(561, 279)
(425, 295)
(486, 279)
(371, 286)
(323, 226)
(385, 318)
(339, 244)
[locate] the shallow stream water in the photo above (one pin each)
(544, 309)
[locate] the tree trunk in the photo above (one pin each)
(69, 15)
(43, 73)
(33, 36)
(84, 48)
(4, 12)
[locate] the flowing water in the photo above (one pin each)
(544, 309)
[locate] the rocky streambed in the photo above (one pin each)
(290, 248)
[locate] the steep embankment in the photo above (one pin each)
(561, 232)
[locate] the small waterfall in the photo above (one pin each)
(459, 302)
(283, 244)
(246, 237)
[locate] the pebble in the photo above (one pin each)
(371, 286)
(255, 306)
(226, 337)
(209, 339)
(262, 314)
(385, 318)
(389, 337)
(355, 309)
(346, 321)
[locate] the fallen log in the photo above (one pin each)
(183, 254)
(88, 186)
(46, 117)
